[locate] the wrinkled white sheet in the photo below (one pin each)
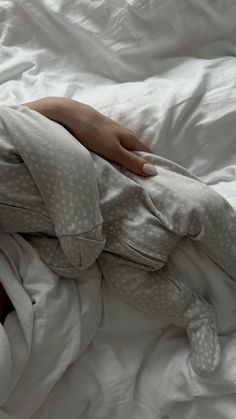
(167, 70)
(53, 322)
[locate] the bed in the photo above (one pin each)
(167, 70)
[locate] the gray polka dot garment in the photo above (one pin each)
(75, 208)
(49, 191)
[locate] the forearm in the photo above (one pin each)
(59, 109)
(97, 132)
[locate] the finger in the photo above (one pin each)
(133, 162)
(131, 142)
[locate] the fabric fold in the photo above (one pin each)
(58, 165)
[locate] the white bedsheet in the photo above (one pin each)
(167, 70)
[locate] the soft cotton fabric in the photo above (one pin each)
(49, 329)
(70, 241)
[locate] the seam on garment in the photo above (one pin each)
(83, 232)
(54, 254)
(128, 241)
(26, 209)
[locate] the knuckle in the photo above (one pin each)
(113, 146)
(135, 164)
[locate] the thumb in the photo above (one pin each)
(135, 163)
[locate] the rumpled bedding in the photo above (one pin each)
(167, 71)
(62, 198)
(40, 339)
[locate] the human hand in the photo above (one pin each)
(97, 132)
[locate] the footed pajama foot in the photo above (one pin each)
(200, 323)
(189, 310)
(163, 292)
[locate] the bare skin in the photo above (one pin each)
(96, 132)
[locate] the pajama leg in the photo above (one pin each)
(154, 213)
(217, 232)
(48, 186)
(191, 208)
(163, 293)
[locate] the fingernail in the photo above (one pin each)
(149, 169)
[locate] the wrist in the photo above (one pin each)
(67, 111)
(50, 107)
(59, 109)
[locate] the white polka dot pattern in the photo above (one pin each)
(53, 189)
(75, 207)
(144, 218)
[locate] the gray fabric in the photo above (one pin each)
(45, 188)
(76, 208)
